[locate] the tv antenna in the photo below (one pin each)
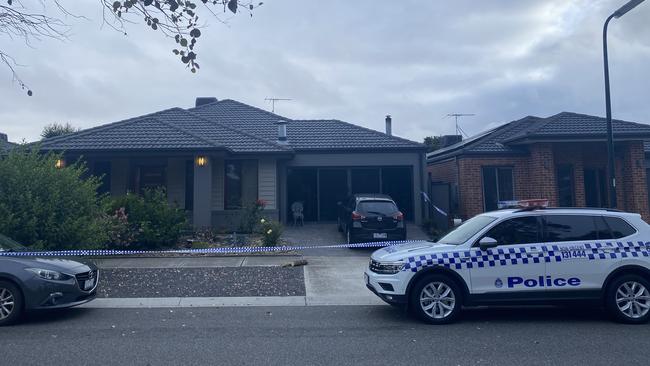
(459, 130)
(273, 100)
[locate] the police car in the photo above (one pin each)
(522, 256)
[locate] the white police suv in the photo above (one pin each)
(522, 256)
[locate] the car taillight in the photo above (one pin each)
(357, 216)
(398, 216)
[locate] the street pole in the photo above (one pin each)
(611, 169)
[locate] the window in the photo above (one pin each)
(189, 185)
(377, 208)
(149, 177)
(498, 186)
(466, 230)
(565, 190)
(570, 228)
(619, 227)
(595, 181)
(520, 230)
(233, 185)
(102, 169)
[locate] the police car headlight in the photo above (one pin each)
(388, 267)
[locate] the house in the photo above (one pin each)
(5, 145)
(562, 158)
(220, 156)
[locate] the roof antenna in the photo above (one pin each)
(273, 100)
(459, 130)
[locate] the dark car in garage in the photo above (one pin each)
(37, 283)
(371, 217)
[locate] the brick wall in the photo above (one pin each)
(535, 174)
(633, 176)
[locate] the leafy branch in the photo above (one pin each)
(176, 19)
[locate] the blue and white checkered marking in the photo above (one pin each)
(475, 258)
(219, 250)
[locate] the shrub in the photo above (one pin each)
(49, 208)
(271, 232)
(120, 234)
(251, 216)
(152, 220)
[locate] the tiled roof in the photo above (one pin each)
(509, 138)
(229, 125)
(568, 124)
(327, 134)
(6, 146)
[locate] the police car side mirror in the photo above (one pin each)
(487, 243)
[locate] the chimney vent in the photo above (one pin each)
(3, 137)
(282, 131)
(204, 100)
(389, 125)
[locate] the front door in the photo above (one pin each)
(517, 264)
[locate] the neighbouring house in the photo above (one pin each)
(5, 145)
(222, 155)
(562, 158)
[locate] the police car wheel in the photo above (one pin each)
(628, 299)
(436, 299)
(11, 303)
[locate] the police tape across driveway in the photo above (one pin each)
(218, 250)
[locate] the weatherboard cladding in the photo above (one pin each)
(229, 125)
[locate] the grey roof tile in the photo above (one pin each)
(228, 125)
(327, 134)
(505, 139)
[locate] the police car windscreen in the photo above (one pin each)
(377, 208)
(468, 229)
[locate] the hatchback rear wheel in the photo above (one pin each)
(11, 303)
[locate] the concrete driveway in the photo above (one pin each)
(319, 234)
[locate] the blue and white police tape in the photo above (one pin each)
(217, 250)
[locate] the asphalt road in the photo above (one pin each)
(330, 335)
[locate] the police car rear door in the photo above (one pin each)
(581, 252)
(515, 265)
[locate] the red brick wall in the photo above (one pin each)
(534, 174)
(633, 178)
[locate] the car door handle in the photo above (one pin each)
(608, 249)
(534, 253)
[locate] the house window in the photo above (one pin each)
(150, 177)
(498, 185)
(233, 185)
(565, 186)
(102, 170)
(595, 181)
(189, 185)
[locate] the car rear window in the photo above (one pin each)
(383, 208)
(619, 227)
(570, 228)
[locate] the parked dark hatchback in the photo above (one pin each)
(371, 217)
(34, 283)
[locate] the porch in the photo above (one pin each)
(214, 189)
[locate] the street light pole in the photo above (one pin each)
(611, 169)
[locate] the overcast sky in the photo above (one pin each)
(351, 60)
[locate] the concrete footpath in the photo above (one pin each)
(328, 280)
